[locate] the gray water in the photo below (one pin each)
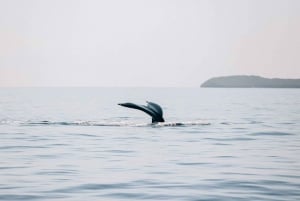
(78, 144)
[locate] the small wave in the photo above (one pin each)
(188, 123)
(114, 124)
(76, 123)
(270, 134)
(230, 139)
(193, 164)
(9, 122)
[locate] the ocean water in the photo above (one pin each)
(216, 144)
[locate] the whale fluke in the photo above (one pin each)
(153, 109)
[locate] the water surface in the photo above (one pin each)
(78, 144)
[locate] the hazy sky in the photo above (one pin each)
(146, 43)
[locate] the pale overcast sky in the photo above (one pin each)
(146, 43)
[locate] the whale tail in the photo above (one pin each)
(152, 109)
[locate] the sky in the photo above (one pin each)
(153, 43)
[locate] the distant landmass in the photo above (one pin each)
(252, 81)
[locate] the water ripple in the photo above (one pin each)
(274, 133)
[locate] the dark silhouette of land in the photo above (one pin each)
(252, 81)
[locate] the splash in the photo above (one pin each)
(104, 123)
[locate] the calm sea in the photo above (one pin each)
(78, 144)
